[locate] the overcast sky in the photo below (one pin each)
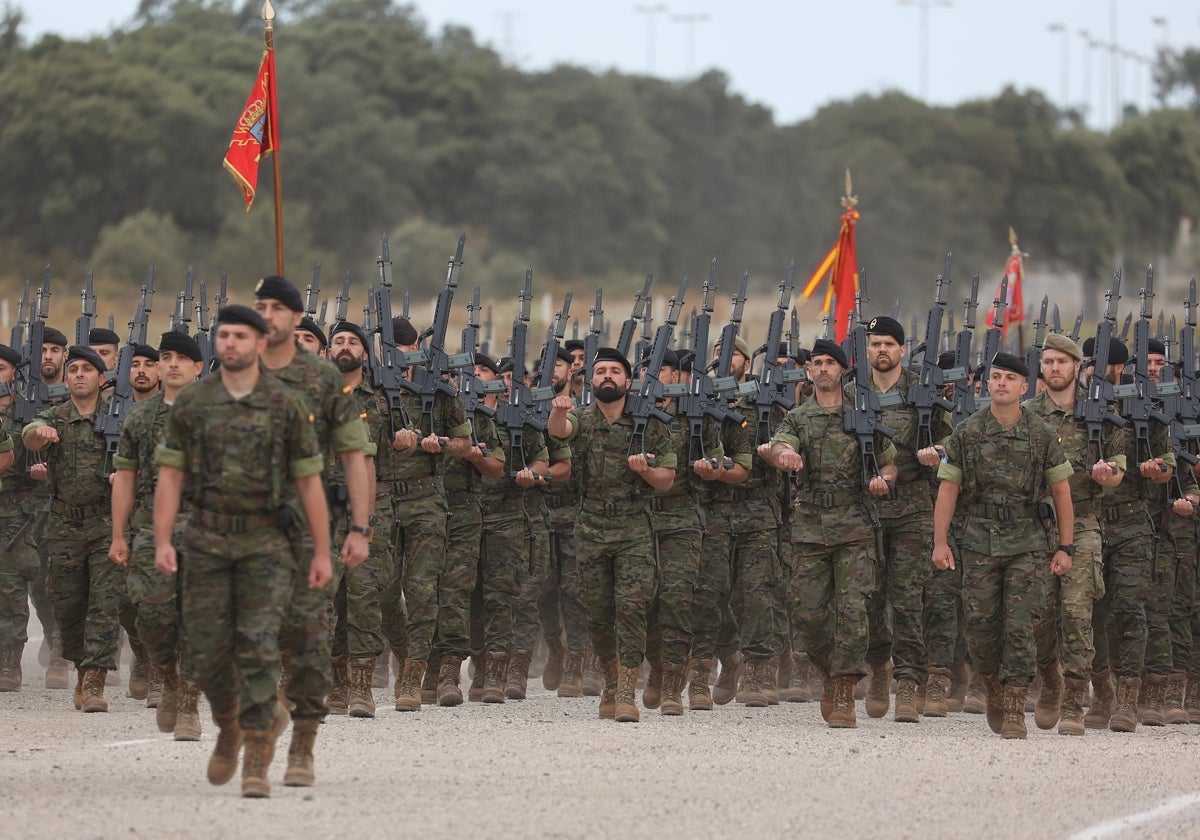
(796, 55)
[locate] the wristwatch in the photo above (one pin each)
(1068, 550)
(372, 521)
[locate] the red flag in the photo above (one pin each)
(1014, 309)
(841, 264)
(257, 131)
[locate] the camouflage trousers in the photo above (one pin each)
(531, 578)
(896, 607)
(669, 621)
(1119, 619)
(754, 585)
(35, 539)
(234, 592)
(156, 597)
(1172, 596)
(559, 608)
(19, 568)
(307, 629)
(417, 560)
(358, 621)
(830, 586)
(504, 557)
(618, 578)
(1004, 596)
(87, 590)
(1064, 632)
(459, 575)
(714, 628)
(945, 619)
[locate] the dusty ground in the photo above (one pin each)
(550, 767)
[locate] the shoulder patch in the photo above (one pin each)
(346, 389)
(311, 417)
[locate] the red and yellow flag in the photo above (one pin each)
(841, 266)
(1014, 270)
(257, 131)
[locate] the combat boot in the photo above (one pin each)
(449, 694)
(93, 690)
(1124, 716)
(841, 716)
(995, 701)
(626, 710)
(361, 700)
(826, 690)
(1100, 711)
(556, 653)
(906, 702)
(338, 700)
(672, 688)
(78, 689)
(299, 771)
(960, 678)
(187, 716)
(139, 673)
(495, 672)
(572, 675)
(223, 762)
(517, 681)
(475, 690)
(1049, 703)
(727, 681)
(975, 696)
(258, 749)
(408, 686)
(652, 693)
(1013, 726)
(879, 693)
(429, 680)
(1070, 722)
(10, 667)
(1191, 698)
(794, 690)
(154, 692)
(593, 679)
(167, 711)
(608, 694)
(752, 694)
(1173, 699)
(56, 670)
(285, 679)
(1150, 701)
(769, 679)
(379, 679)
(937, 693)
(699, 692)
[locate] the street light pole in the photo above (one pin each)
(1061, 29)
(689, 21)
(1086, 52)
(923, 6)
(651, 11)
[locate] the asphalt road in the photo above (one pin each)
(548, 767)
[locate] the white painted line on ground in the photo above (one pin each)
(1108, 828)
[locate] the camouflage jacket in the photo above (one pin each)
(460, 475)
(75, 465)
(14, 480)
(140, 435)
(449, 420)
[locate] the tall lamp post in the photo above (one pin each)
(1061, 29)
(923, 6)
(651, 11)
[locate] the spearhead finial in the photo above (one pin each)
(268, 13)
(849, 200)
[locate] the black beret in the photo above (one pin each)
(145, 350)
(235, 313)
(52, 336)
(184, 345)
(564, 355)
(350, 327)
(484, 360)
(1155, 345)
(801, 356)
(103, 335)
(403, 331)
(685, 361)
(1118, 353)
(505, 365)
(1089, 347)
(886, 325)
(946, 359)
(10, 355)
(281, 289)
(611, 354)
(825, 347)
(671, 359)
(86, 354)
(573, 344)
(1011, 363)
(309, 325)
(782, 351)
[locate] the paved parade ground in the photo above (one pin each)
(550, 767)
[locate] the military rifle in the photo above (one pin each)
(1185, 419)
(960, 374)
(926, 394)
(203, 329)
(1033, 354)
(109, 423)
(472, 388)
(519, 410)
(640, 303)
(642, 404)
(33, 393)
(182, 317)
(17, 341)
(861, 419)
(388, 372)
(992, 340)
(1138, 397)
(87, 317)
(591, 343)
(543, 394)
(432, 379)
(1092, 413)
(776, 387)
(312, 293)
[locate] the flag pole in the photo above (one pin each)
(268, 16)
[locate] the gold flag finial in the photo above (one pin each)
(268, 13)
(849, 200)
(1012, 240)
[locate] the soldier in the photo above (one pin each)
(613, 536)
(85, 588)
(1003, 459)
(833, 541)
(238, 438)
(18, 565)
(106, 344)
(143, 372)
(306, 632)
(155, 598)
(1064, 631)
(311, 337)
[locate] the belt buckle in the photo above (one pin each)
(826, 499)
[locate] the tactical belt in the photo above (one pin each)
(407, 488)
(741, 494)
(80, 511)
(624, 507)
(1115, 513)
(1084, 508)
(1002, 513)
(234, 523)
(505, 505)
(831, 499)
(558, 500)
(659, 504)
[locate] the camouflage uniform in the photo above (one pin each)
(533, 582)
(617, 567)
(1005, 549)
(239, 457)
(19, 564)
(1172, 593)
(560, 609)
(1064, 633)
(87, 589)
(306, 630)
(833, 538)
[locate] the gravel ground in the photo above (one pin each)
(548, 767)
